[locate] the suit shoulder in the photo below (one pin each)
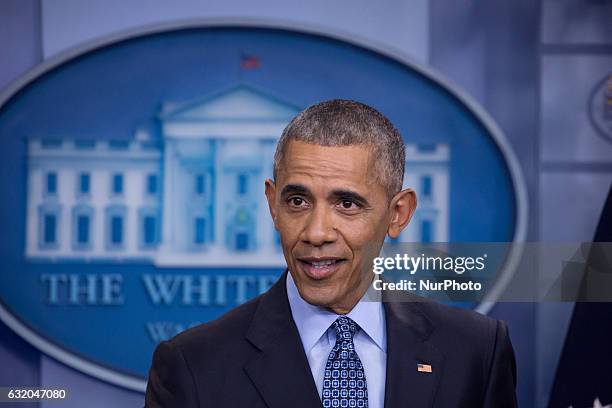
(227, 328)
(463, 323)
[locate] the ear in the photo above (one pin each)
(271, 197)
(402, 207)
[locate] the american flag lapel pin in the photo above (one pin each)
(424, 368)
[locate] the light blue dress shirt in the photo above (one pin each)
(318, 338)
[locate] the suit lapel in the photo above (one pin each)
(407, 346)
(280, 372)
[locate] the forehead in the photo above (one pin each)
(335, 166)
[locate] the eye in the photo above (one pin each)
(297, 202)
(348, 205)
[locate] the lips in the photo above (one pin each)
(318, 268)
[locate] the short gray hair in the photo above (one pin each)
(340, 122)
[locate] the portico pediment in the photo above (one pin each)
(238, 103)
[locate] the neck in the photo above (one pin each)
(346, 306)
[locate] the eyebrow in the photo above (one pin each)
(294, 189)
(343, 194)
(350, 195)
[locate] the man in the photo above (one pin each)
(313, 339)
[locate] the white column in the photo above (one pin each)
(265, 227)
(35, 188)
(167, 243)
(66, 188)
(100, 188)
(219, 196)
(133, 191)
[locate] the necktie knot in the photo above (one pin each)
(345, 329)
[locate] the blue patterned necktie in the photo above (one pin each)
(344, 382)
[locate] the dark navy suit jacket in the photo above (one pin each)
(253, 357)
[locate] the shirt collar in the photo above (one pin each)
(312, 321)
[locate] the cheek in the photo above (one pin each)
(361, 231)
(288, 227)
(364, 238)
(358, 238)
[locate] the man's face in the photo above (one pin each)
(332, 213)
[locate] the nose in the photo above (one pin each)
(319, 229)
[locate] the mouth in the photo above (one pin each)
(318, 268)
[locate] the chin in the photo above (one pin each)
(314, 296)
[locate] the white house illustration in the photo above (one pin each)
(426, 172)
(192, 197)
